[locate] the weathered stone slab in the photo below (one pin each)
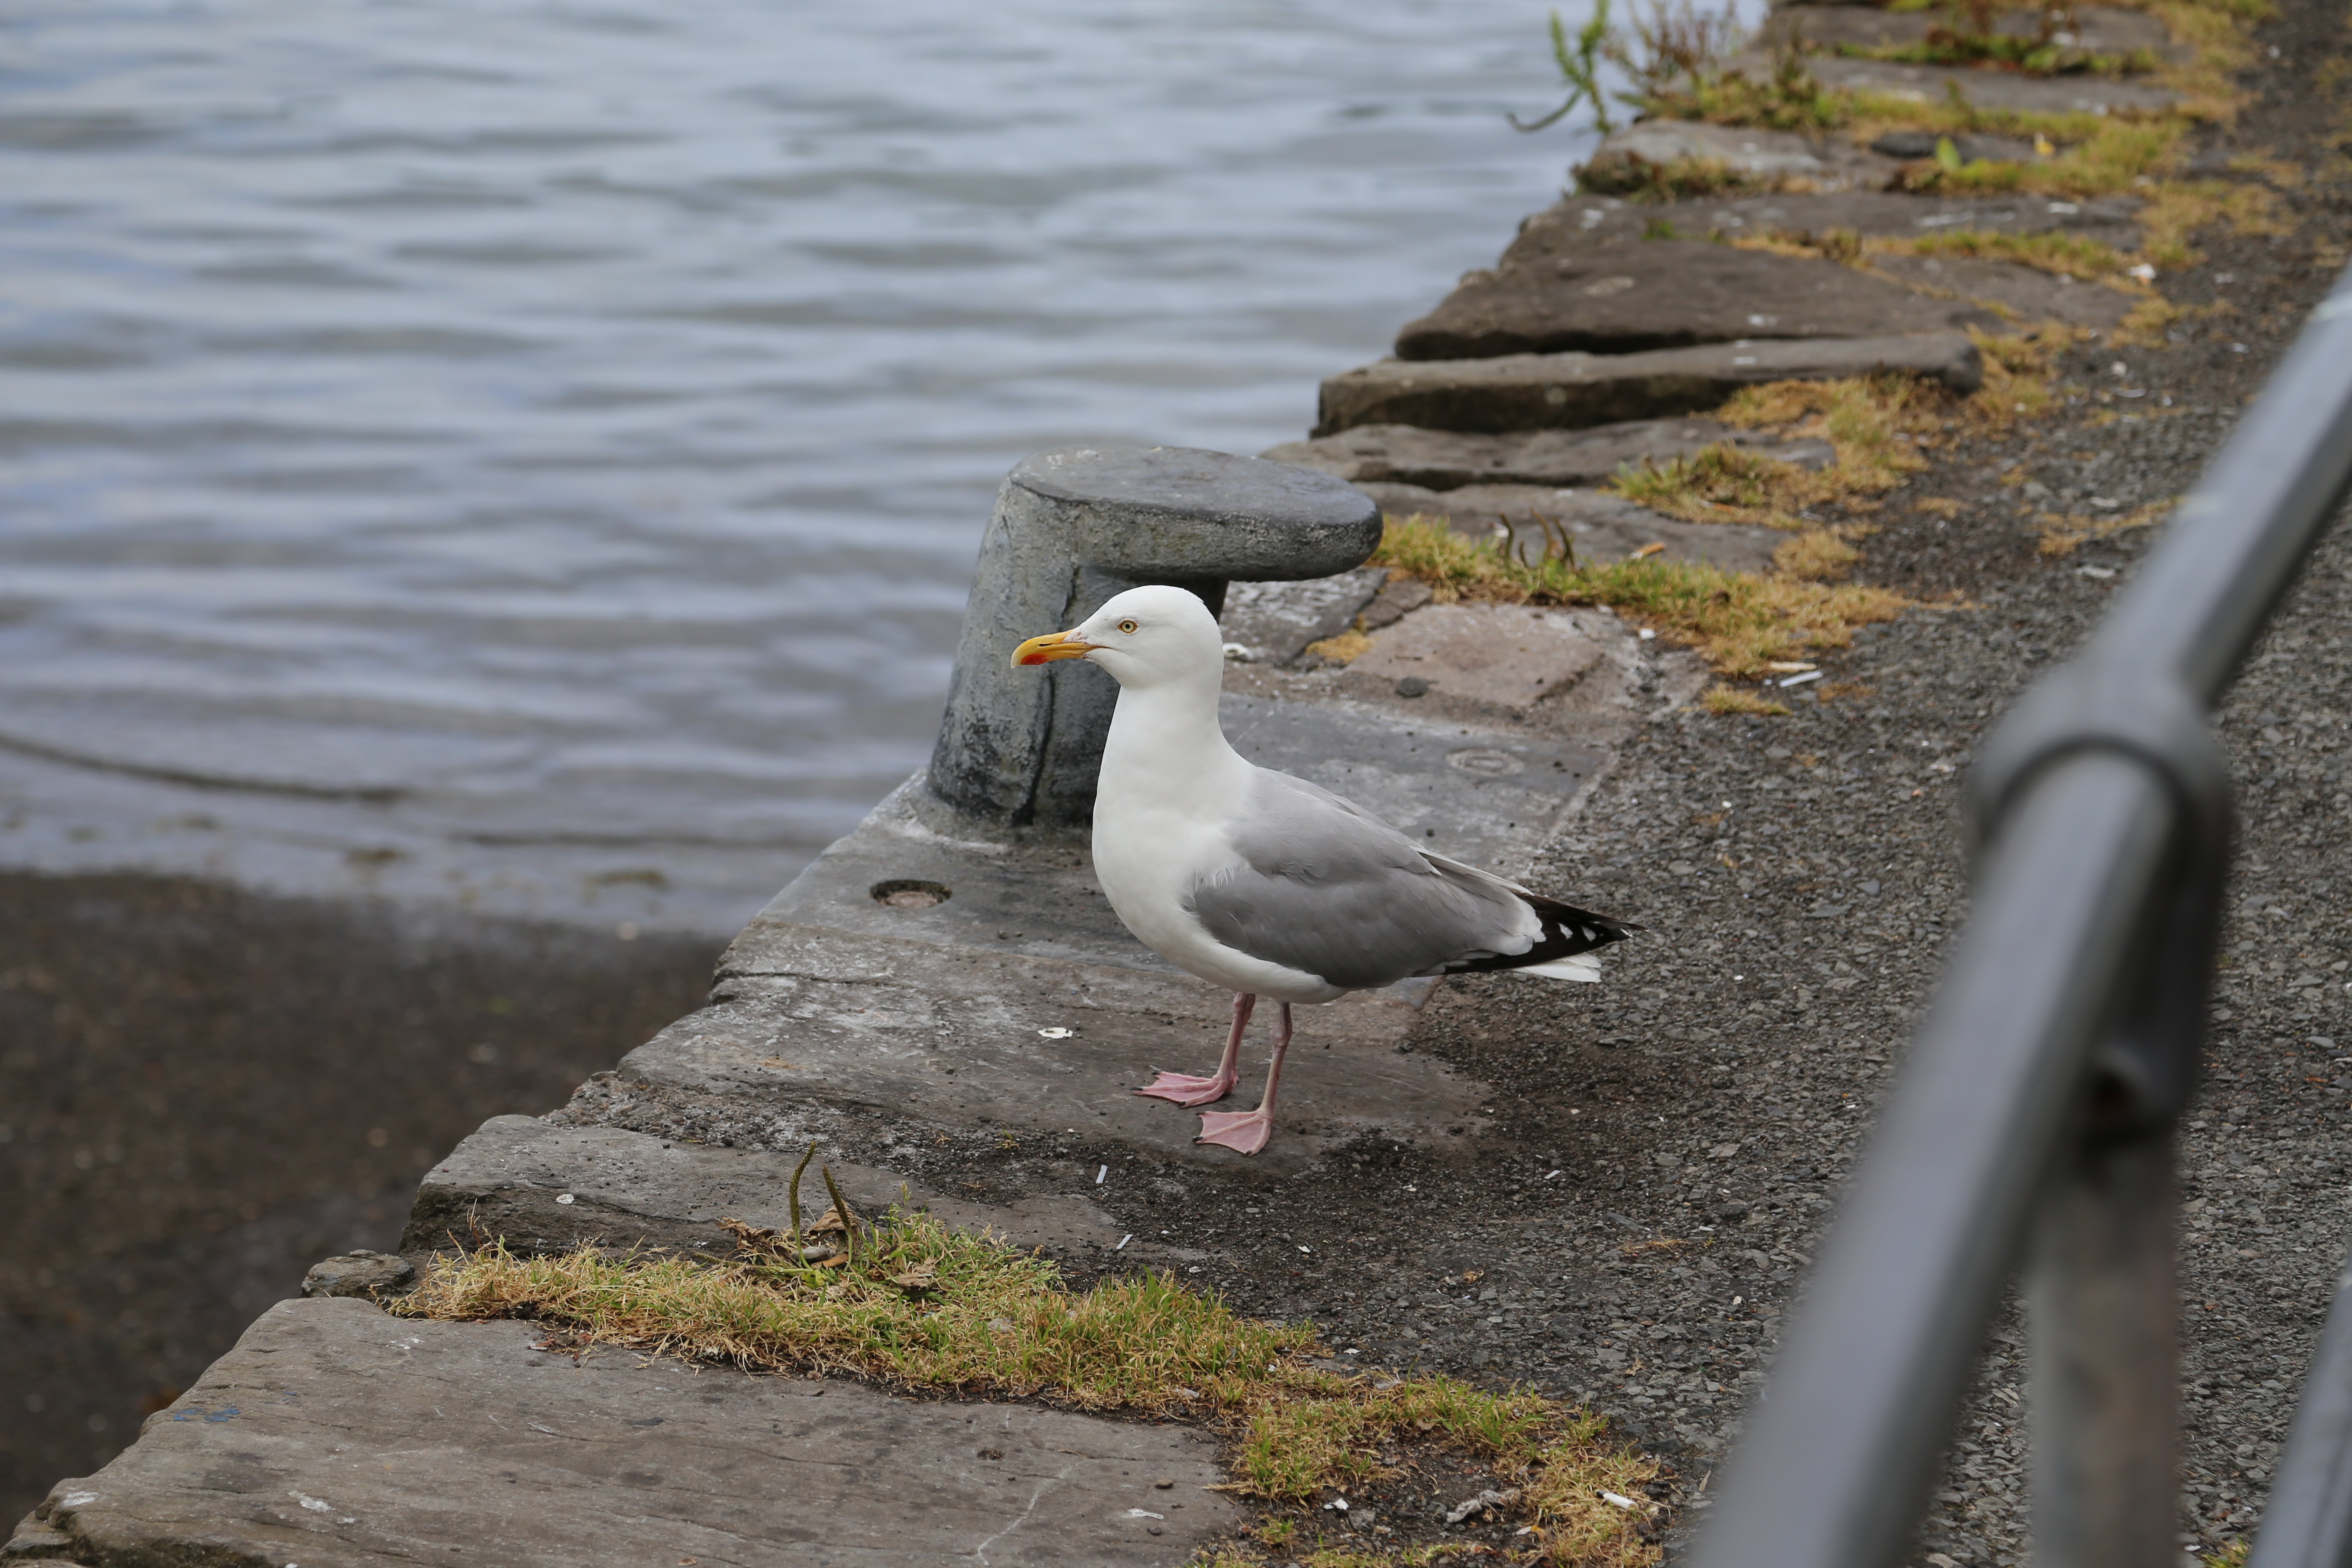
(954, 1037)
(1577, 225)
(1531, 391)
(335, 1437)
(1912, 146)
(547, 1189)
(1275, 621)
(1745, 149)
(1669, 294)
(1821, 163)
(1600, 526)
(915, 970)
(1503, 659)
(2028, 293)
(1408, 456)
(2078, 94)
(2091, 30)
(360, 1273)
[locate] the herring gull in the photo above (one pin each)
(1264, 883)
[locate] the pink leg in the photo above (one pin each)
(1247, 1131)
(1186, 1090)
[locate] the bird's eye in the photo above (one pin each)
(1127, 627)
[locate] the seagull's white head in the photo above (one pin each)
(1145, 636)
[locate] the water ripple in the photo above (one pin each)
(505, 448)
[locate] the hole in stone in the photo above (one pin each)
(900, 893)
(1484, 760)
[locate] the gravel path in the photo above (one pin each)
(1802, 874)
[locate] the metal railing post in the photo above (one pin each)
(2308, 1521)
(2103, 1311)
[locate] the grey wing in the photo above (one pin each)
(1325, 888)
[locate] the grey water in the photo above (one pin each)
(530, 455)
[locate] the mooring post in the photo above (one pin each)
(1074, 526)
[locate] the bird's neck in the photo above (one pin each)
(1166, 748)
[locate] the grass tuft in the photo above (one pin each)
(1678, 179)
(916, 1305)
(1738, 622)
(1877, 424)
(1720, 699)
(2018, 368)
(2061, 532)
(1816, 555)
(1345, 648)
(2145, 324)
(2090, 155)
(2177, 209)
(2053, 250)
(1722, 483)
(1356, 1557)
(985, 1317)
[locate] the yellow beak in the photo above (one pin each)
(1051, 647)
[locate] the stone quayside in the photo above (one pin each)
(844, 1002)
(334, 1433)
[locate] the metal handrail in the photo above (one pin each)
(2033, 1117)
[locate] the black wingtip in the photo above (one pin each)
(1566, 932)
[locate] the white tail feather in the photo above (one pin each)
(1577, 966)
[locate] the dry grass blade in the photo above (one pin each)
(792, 1194)
(2062, 533)
(1674, 39)
(840, 1215)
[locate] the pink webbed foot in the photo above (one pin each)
(1246, 1130)
(1186, 1089)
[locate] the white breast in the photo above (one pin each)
(1169, 785)
(1148, 863)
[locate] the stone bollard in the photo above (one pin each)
(1074, 526)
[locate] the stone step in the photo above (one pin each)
(944, 1034)
(335, 1436)
(2090, 30)
(1483, 658)
(2027, 294)
(543, 1188)
(1669, 293)
(1820, 162)
(1001, 990)
(1273, 622)
(1575, 226)
(1533, 392)
(1407, 455)
(1913, 145)
(2080, 93)
(1585, 240)
(1600, 526)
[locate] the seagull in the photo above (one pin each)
(1264, 883)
